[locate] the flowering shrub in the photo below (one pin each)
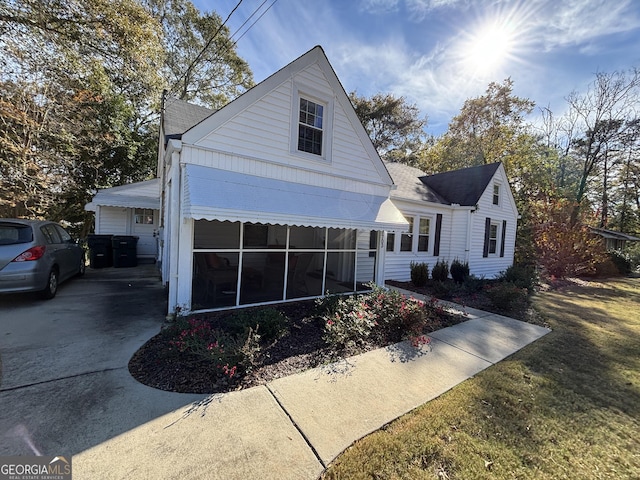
(222, 349)
(350, 322)
(386, 314)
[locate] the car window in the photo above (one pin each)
(66, 238)
(50, 234)
(11, 233)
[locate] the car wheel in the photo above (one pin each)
(83, 266)
(52, 285)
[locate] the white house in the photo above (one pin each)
(130, 210)
(466, 214)
(280, 195)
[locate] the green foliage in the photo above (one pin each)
(394, 126)
(268, 323)
(385, 314)
(440, 271)
(505, 296)
(349, 323)
(419, 273)
(522, 276)
(459, 271)
(223, 349)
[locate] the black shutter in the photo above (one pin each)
(436, 242)
(487, 232)
(504, 233)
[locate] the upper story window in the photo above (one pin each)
(310, 127)
(496, 194)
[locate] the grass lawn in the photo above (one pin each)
(565, 407)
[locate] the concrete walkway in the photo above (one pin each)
(293, 427)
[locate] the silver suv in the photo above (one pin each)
(36, 256)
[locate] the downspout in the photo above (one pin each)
(174, 234)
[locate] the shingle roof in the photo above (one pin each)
(409, 186)
(179, 116)
(464, 186)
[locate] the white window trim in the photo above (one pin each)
(327, 122)
(500, 194)
(416, 234)
(498, 225)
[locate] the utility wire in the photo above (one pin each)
(250, 26)
(206, 46)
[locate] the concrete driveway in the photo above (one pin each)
(64, 382)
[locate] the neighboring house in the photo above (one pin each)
(466, 214)
(280, 195)
(130, 210)
(614, 240)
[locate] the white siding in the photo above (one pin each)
(260, 136)
(113, 221)
(492, 265)
(398, 263)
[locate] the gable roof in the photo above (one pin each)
(179, 116)
(463, 187)
(409, 185)
(315, 56)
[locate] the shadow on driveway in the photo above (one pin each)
(64, 382)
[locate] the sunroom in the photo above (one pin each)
(256, 240)
(242, 263)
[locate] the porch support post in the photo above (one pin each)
(381, 253)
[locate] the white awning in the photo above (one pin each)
(213, 194)
(135, 195)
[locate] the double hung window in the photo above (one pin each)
(310, 127)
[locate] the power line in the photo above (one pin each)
(206, 46)
(257, 20)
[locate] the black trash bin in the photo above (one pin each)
(125, 251)
(100, 251)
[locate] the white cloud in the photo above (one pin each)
(379, 6)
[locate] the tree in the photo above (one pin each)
(485, 130)
(71, 72)
(605, 113)
(201, 63)
(394, 126)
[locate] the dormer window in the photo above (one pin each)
(310, 127)
(496, 194)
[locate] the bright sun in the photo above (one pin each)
(485, 50)
(489, 48)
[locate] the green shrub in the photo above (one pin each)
(459, 271)
(473, 284)
(382, 314)
(222, 349)
(269, 323)
(522, 276)
(350, 322)
(506, 296)
(440, 271)
(622, 260)
(419, 274)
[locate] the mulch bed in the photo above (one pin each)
(158, 365)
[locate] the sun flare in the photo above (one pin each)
(488, 49)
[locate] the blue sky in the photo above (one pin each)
(438, 53)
